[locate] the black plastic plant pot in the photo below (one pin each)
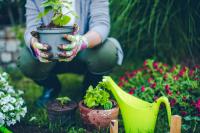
(54, 37)
(61, 115)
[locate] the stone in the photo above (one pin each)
(2, 33)
(9, 32)
(2, 44)
(6, 57)
(11, 45)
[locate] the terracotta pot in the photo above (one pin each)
(62, 115)
(98, 118)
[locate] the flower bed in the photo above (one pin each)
(12, 106)
(179, 83)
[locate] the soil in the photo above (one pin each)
(56, 106)
(23, 128)
(51, 25)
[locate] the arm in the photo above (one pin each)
(31, 23)
(99, 22)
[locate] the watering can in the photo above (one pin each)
(138, 116)
(4, 130)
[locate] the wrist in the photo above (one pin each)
(85, 43)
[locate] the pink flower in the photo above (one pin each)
(142, 88)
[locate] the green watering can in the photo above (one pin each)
(138, 116)
(4, 130)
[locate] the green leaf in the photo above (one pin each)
(108, 105)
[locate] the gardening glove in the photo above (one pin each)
(78, 43)
(41, 51)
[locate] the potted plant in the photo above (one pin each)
(53, 33)
(97, 109)
(61, 110)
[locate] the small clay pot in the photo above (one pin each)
(63, 115)
(98, 118)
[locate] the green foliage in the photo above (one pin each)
(157, 28)
(59, 18)
(97, 97)
(63, 100)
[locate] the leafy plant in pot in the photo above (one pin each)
(97, 109)
(61, 110)
(53, 33)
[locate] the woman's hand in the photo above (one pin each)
(77, 43)
(41, 51)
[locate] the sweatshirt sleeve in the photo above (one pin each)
(31, 20)
(99, 18)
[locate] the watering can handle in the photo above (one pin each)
(167, 104)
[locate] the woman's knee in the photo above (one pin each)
(31, 67)
(102, 59)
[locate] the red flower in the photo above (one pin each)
(142, 88)
(172, 102)
(155, 65)
(160, 70)
(131, 92)
(183, 113)
(120, 84)
(150, 80)
(191, 73)
(175, 77)
(153, 85)
(145, 63)
(167, 86)
(122, 78)
(172, 69)
(197, 105)
(165, 76)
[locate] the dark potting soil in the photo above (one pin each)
(23, 128)
(56, 106)
(49, 26)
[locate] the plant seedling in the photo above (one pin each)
(59, 18)
(63, 100)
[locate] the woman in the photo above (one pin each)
(92, 53)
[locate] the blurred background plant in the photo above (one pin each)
(166, 29)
